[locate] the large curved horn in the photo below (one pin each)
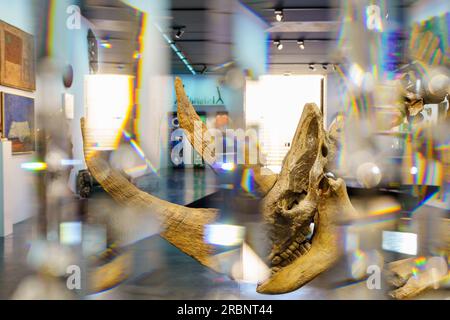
(182, 226)
(188, 117)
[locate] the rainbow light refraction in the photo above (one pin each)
(34, 166)
(136, 147)
(247, 181)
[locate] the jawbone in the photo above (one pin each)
(333, 205)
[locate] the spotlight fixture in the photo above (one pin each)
(325, 66)
(312, 67)
(301, 44)
(278, 44)
(179, 32)
(279, 15)
(174, 47)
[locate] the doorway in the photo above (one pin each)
(274, 105)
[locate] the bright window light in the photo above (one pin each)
(274, 105)
(228, 166)
(108, 101)
(401, 242)
(70, 233)
(224, 234)
(254, 270)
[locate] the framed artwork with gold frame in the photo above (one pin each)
(17, 66)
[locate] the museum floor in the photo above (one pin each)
(162, 272)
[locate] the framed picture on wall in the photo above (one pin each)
(18, 123)
(17, 67)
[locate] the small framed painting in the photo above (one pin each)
(18, 123)
(16, 58)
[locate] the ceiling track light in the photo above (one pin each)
(312, 67)
(279, 15)
(175, 49)
(278, 44)
(325, 66)
(301, 44)
(179, 32)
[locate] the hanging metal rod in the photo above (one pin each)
(304, 40)
(300, 8)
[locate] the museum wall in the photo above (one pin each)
(205, 92)
(425, 9)
(333, 103)
(66, 47)
(153, 95)
(20, 14)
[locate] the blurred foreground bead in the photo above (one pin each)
(368, 175)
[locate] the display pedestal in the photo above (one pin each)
(6, 179)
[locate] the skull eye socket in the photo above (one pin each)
(295, 199)
(292, 204)
(291, 199)
(323, 185)
(324, 151)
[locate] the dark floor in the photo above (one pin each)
(13, 254)
(181, 186)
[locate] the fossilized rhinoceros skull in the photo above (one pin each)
(303, 192)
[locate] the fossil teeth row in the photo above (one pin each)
(297, 248)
